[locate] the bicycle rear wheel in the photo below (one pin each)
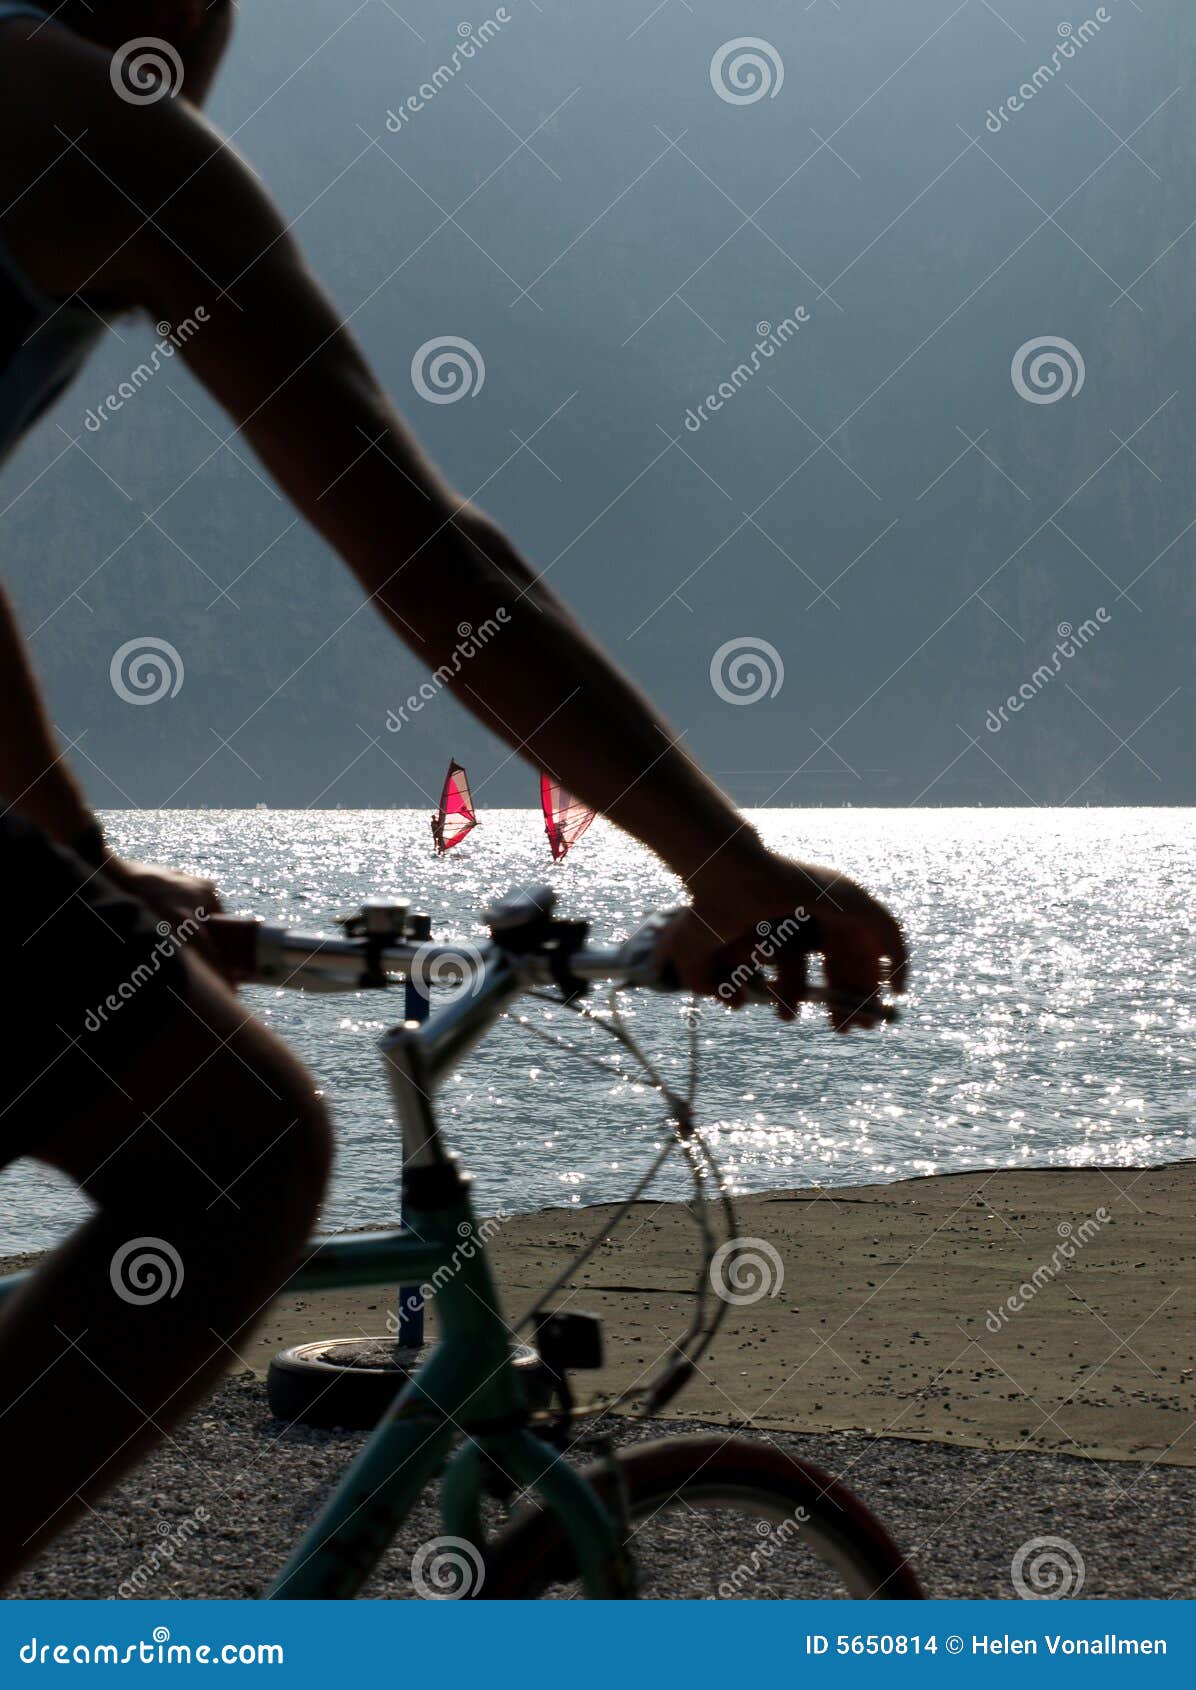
(716, 1517)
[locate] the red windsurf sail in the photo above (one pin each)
(565, 817)
(456, 816)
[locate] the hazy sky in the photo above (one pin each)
(893, 509)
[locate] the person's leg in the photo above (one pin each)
(207, 1153)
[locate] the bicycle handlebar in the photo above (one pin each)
(528, 949)
(259, 954)
(262, 955)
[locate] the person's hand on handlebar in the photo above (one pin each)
(768, 918)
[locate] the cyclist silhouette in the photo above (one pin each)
(181, 1117)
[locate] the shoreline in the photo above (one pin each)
(1045, 1309)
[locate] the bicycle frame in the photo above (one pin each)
(468, 1389)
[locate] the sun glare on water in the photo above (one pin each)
(1050, 1018)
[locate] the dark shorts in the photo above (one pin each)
(89, 978)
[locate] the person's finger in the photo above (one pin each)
(208, 899)
(789, 987)
(872, 925)
(851, 1011)
(704, 964)
(683, 952)
(735, 970)
(898, 954)
(852, 962)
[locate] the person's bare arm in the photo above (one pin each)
(36, 781)
(275, 354)
(164, 215)
(198, 30)
(35, 777)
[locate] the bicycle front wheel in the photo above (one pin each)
(716, 1517)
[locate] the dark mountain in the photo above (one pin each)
(615, 238)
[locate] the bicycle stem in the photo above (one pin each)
(418, 1055)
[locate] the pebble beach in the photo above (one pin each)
(986, 1358)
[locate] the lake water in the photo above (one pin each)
(1050, 1021)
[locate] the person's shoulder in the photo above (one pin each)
(60, 92)
(85, 156)
(44, 67)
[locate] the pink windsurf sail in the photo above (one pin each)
(456, 817)
(565, 817)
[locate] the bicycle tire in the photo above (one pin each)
(754, 1478)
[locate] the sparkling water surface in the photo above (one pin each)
(1050, 1018)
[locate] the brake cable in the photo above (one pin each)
(683, 1132)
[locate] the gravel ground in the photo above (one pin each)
(214, 1512)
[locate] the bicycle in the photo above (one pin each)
(494, 1429)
